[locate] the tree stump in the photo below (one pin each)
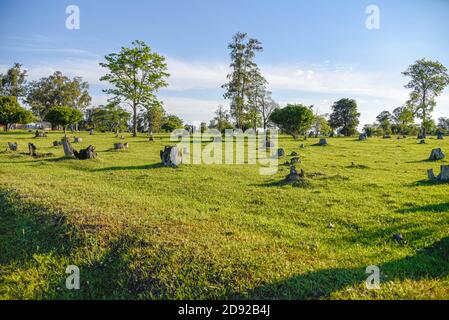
(121, 146)
(280, 152)
(436, 154)
(68, 150)
(84, 154)
(57, 143)
(269, 144)
(323, 142)
(442, 177)
(422, 141)
(440, 136)
(32, 149)
(91, 132)
(387, 136)
(294, 175)
(13, 146)
(295, 160)
(302, 146)
(77, 140)
(171, 156)
(362, 137)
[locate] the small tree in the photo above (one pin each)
(13, 83)
(11, 112)
(428, 80)
(172, 122)
(155, 117)
(345, 116)
(403, 118)
(63, 116)
(294, 119)
(384, 119)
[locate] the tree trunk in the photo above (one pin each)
(134, 120)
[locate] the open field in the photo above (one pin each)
(138, 230)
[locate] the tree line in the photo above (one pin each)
(136, 74)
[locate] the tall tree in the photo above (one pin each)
(345, 116)
(57, 90)
(384, 119)
(136, 73)
(110, 117)
(13, 83)
(266, 107)
(242, 73)
(428, 80)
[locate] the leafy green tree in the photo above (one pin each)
(321, 125)
(110, 118)
(428, 80)
(136, 74)
(222, 120)
(155, 116)
(384, 119)
(294, 119)
(403, 118)
(243, 70)
(443, 124)
(11, 112)
(57, 90)
(172, 122)
(63, 116)
(345, 116)
(372, 130)
(13, 83)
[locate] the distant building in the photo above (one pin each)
(39, 125)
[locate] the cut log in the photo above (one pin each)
(68, 150)
(13, 146)
(436, 154)
(84, 154)
(323, 142)
(32, 149)
(171, 156)
(77, 140)
(121, 146)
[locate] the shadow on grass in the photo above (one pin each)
(430, 263)
(441, 207)
(119, 168)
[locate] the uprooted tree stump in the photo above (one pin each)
(171, 156)
(84, 154)
(436, 154)
(32, 149)
(121, 146)
(442, 177)
(13, 146)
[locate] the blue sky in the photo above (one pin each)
(315, 52)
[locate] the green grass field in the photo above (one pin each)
(139, 230)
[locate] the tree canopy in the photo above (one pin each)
(136, 74)
(294, 119)
(427, 81)
(13, 83)
(63, 116)
(345, 116)
(11, 112)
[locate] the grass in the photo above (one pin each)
(138, 230)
